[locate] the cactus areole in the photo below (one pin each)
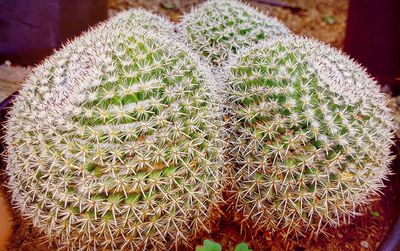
(313, 136)
(114, 143)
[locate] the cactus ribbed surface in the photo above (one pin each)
(144, 19)
(114, 143)
(220, 27)
(313, 136)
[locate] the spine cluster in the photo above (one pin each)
(312, 136)
(143, 19)
(220, 27)
(115, 143)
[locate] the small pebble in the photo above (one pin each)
(329, 20)
(364, 244)
(7, 63)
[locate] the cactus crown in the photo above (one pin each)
(312, 135)
(143, 18)
(114, 143)
(220, 27)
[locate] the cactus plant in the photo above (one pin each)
(143, 18)
(114, 143)
(220, 27)
(312, 136)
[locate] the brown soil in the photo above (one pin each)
(321, 19)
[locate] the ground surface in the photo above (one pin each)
(320, 19)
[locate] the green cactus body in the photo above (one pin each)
(143, 18)
(114, 143)
(313, 136)
(220, 27)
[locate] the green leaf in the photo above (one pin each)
(329, 20)
(375, 213)
(168, 5)
(209, 245)
(242, 247)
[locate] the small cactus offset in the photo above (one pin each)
(114, 143)
(312, 136)
(220, 27)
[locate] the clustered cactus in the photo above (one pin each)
(117, 141)
(218, 28)
(117, 145)
(312, 135)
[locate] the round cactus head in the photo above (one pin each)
(220, 27)
(313, 136)
(113, 143)
(144, 19)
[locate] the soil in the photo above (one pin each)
(321, 19)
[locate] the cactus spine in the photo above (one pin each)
(313, 136)
(143, 18)
(220, 27)
(114, 143)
